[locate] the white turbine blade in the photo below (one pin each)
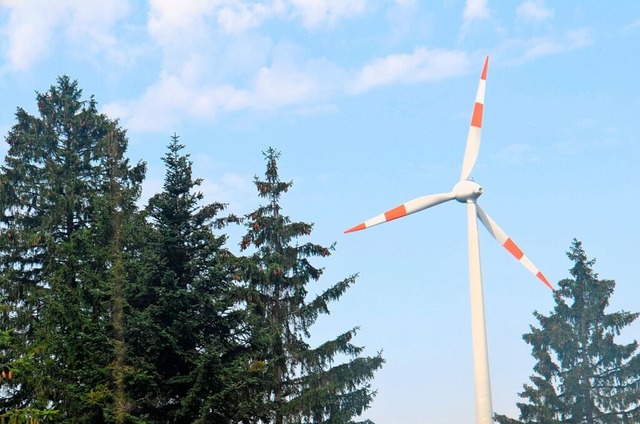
(508, 244)
(405, 209)
(475, 129)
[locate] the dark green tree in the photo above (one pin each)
(300, 383)
(581, 375)
(183, 330)
(58, 266)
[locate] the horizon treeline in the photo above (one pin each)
(113, 312)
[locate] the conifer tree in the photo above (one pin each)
(56, 254)
(581, 375)
(182, 324)
(300, 383)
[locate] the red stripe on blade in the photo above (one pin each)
(395, 213)
(544, 280)
(476, 119)
(513, 249)
(356, 228)
(484, 69)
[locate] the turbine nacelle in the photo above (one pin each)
(467, 191)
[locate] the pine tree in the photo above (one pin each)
(300, 384)
(182, 324)
(56, 254)
(581, 375)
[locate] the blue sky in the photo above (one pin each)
(370, 102)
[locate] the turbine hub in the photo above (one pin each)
(467, 191)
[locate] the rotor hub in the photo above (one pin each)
(467, 191)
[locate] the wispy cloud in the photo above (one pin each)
(319, 12)
(215, 56)
(34, 26)
(517, 153)
(545, 46)
(237, 191)
(534, 10)
(524, 50)
(586, 135)
(421, 65)
(177, 96)
(474, 10)
(238, 17)
(633, 26)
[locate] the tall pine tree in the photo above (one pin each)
(581, 375)
(301, 384)
(57, 255)
(182, 324)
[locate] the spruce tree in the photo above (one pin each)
(300, 383)
(581, 375)
(57, 206)
(182, 325)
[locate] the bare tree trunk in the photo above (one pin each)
(117, 275)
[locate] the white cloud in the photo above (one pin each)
(29, 31)
(545, 46)
(169, 99)
(318, 12)
(174, 97)
(238, 17)
(533, 48)
(168, 20)
(286, 82)
(34, 25)
(632, 26)
(198, 20)
(421, 65)
(238, 191)
(475, 10)
(214, 60)
(406, 3)
(176, 27)
(534, 10)
(275, 87)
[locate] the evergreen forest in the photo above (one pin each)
(117, 312)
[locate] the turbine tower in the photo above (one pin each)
(467, 191)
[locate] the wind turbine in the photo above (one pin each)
(467, 191)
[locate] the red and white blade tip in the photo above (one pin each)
(475, 128)
(510, 245)
(390, 215)
(356, 228)
(524, 260)
(484, 69)
(404, 209)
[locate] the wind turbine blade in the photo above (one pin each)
(508, 244)
(405, 209)
(475, 129)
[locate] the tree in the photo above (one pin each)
(300, 384)
(581, 375)
(182, 324)
(63, 182)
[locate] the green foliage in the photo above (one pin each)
(581, 374)
(112, 314)
(181, 319)
(55, 257)
(303, 384)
